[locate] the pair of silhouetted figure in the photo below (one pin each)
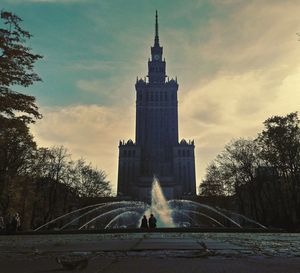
(151, 223)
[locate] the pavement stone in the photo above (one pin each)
(168, 244)
(103, 245)
(219, 245)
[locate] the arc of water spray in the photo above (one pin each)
(244, 217)
(81, 216)
(70, 213)
(93, 210)
(121, 215)
(208, 207)
(105, 214)
(206, 216)
(78, 210)
(185, 214)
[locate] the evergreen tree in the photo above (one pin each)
(16, 68)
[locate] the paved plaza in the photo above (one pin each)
(151, 252)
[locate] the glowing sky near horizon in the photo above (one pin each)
(237, 63)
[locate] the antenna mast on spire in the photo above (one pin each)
(156, 40)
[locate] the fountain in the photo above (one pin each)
(169, 214)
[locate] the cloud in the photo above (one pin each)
(117, 91)
(99, 87)
(89, 131)
(103, 66)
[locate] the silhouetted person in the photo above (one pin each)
(16, 223)
(152, 221)
(144, 224)
(2, 224)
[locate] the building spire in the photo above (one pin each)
(156, 39)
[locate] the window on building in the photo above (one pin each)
(179, 169)
(189, 172)
(123, 171)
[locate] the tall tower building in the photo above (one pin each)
(156, 151)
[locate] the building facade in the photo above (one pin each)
(156, 151)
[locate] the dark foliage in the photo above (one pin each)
(263, 175)
(16, 68)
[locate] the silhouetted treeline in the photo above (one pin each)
(263, 174)
(38, 183)
(41, 184)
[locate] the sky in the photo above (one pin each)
(237, 63)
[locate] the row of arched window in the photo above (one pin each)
(128, 173)
(185, 175)
(156, 69)
(184, 153)
(128, 153)
(156, 96)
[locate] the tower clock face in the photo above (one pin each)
(156, 57)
